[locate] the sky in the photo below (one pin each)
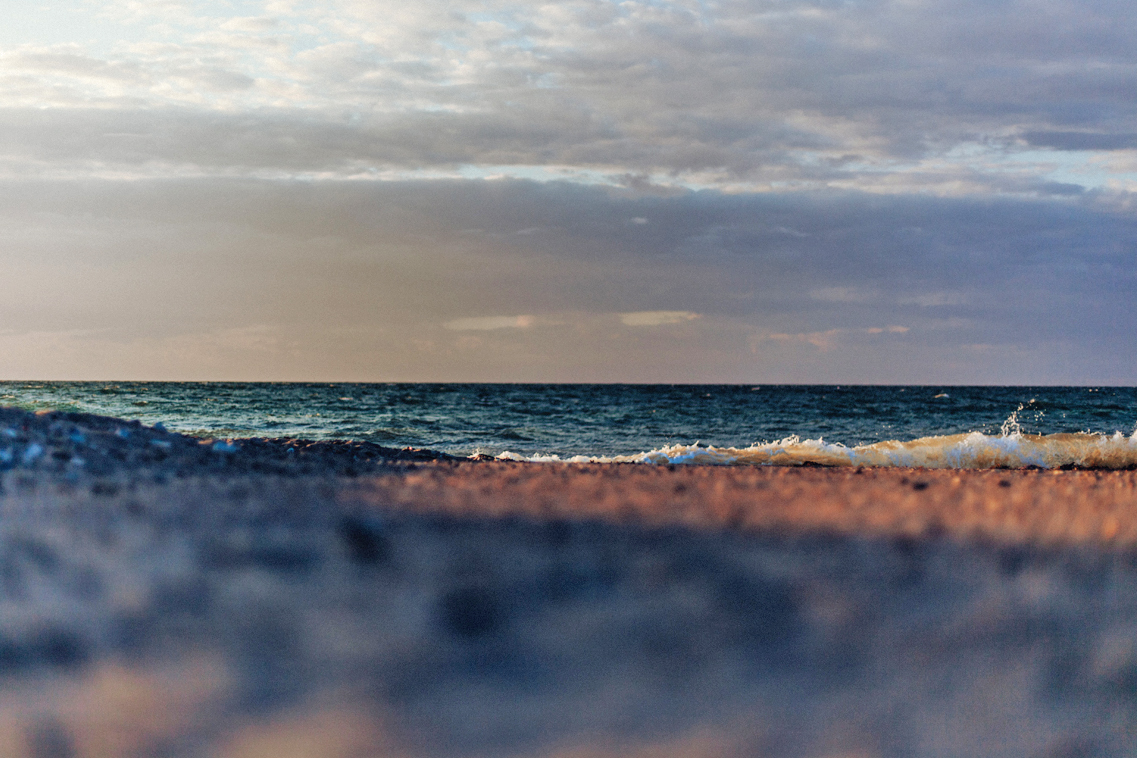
(825, 191)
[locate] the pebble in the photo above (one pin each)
(31, 453)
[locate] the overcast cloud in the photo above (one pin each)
(777, 190)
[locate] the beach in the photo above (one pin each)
(165, 595)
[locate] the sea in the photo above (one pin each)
(846, 425)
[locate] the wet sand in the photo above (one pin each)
(165, 596)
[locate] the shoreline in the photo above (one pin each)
(72, 455)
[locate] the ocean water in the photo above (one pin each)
(972, 427)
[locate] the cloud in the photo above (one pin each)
(251, 24)
(933, 299)
(570, 319)
(657, 318)
(883, 96)
(828, 339)
(489, 323)
(1065, 140)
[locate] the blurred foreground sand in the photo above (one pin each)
(583, 611)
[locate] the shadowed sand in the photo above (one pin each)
(169, 597)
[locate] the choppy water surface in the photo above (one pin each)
(788, 425)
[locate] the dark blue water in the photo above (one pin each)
(575, 419)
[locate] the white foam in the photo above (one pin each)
(974, 450)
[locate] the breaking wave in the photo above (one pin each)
(973, 450)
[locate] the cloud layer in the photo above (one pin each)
(969, 96)
(686, 190)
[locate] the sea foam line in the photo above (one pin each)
(973, 450)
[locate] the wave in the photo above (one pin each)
(973, 450)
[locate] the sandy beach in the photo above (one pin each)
(1026, 507)
(163, 595)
